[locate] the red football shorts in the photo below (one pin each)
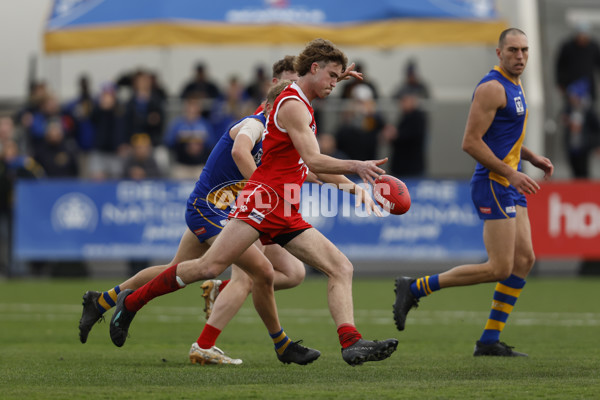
(264, 210)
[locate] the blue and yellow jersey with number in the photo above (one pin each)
(221, 180)
(506, 134)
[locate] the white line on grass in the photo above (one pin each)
(161, 314)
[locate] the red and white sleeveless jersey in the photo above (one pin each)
(282, 168)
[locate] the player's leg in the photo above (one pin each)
(234, 244)
(289, 272)
(224, 308)
(233, 241)
(316, 250)
(495, 205)
(507, 292)
(498, 238)
(254, 264)
(95, 304)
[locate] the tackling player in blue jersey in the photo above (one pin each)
(494, 136)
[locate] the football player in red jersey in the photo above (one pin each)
(267, 208)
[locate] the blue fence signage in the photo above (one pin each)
(113, 220)
(74, 220)
(440, 225)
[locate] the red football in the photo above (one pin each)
(391, 194)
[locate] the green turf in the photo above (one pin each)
(557, 321)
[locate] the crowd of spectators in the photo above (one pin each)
(94, 135)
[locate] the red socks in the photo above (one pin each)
(165, 282)
(348, 335)
(208, 337)
(223, 284)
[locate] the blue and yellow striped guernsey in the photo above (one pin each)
(506, 134)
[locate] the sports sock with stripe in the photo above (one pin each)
(425, 286)
(281, 341)
(108, 299)
(505, 296)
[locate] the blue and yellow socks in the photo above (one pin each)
(281, 341)
(108, 299)
(425, 286)
(505, 296)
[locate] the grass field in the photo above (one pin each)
(557, 321)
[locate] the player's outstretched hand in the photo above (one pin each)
(350, 73)
(369, 170)
(363, 197)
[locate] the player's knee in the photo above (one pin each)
(264, 276)
(344, 270)
(499, 271)
(296, 275)
(524, 262)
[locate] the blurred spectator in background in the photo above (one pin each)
(412, 83)
(144, 111)
(256, 91)
(578, 58)
(49, 110)
(57, 155)
(38, 91)
(581, 128)
(158, 88)
(106, 159)
(80, 110)
(14, 165)
(7, 131)
(189, 138)
(349, 85)
(201, 85)
(409, 139)
(228, 110)
(139, 165)
(358, 134)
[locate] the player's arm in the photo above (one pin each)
(295, 119)
(488, 98)
(538, 161)
(245, 136)
(345, 184)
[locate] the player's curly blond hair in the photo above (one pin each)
(319, 51)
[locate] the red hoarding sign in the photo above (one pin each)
(565, 220)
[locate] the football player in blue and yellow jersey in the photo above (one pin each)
(494, 137)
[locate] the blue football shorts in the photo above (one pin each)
(202, 219)
(494, 201)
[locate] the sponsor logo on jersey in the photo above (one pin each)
(200, 231)
(256, 216)
(511, 209)
(485, 210)
(519, 105)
